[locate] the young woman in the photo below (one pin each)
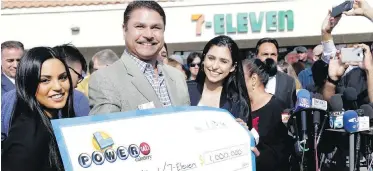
(44, 91)
(194, 63)
(220, 81)
(266, 116)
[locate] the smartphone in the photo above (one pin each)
(345, 6)
(352, 55)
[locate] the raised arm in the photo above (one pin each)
(361, 8)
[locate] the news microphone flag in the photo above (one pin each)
(303, 100)
(350, 121)
(319, 104)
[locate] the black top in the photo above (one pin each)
(274, 141)
(356, 79)
(195, 93)
(285, 89)
(27, 146)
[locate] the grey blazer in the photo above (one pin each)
(122, 87)
(285, 89)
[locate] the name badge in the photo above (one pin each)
(149, 105)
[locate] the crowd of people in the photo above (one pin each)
(45, 83)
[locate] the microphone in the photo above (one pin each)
(350, 121)
(368, 110)
(351, 125)
(303, 101)
(336, 102)
(317, 103)
(350, 95)
(364, 121)
(336, 114)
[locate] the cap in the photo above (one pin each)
(177, 58)
(318, 50)
(300, 49)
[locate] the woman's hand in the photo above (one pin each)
(256, 151)
(240, 121)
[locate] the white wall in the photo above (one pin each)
(101, 25)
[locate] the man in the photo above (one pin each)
(11, 54)
(100, 60)
(281, 85)
(305, 76)
(137, 80)
(301, 53)
(75, 60)
(77, 66)
(291, 58)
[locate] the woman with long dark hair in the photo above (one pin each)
(44, 91)
(273, 150)
(220, 80)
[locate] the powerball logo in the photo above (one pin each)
(105, 151)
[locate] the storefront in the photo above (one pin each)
(190, 24)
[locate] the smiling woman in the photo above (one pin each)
(220, 80)
(44, 89)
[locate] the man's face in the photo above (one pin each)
(291, 58)
(302, 56)
(267, 50)
(10, 58)
(144, 33)
(76, 72)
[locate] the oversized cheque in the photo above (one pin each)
(169, 139)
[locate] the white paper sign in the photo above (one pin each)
(169, 139)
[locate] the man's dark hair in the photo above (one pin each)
(266, 40)
(70, 54)
(12, 44)
(152, 5)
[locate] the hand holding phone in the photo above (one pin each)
(345, 6)
(354, 55)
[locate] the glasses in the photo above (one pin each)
(194, 65)
(80, 76)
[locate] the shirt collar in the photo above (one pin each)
(11, 79)
(143, 65)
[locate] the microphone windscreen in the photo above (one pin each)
(350, 94)
(304, 93)
(303, 99)
(336, 102)
(350, 121)
(368, 110)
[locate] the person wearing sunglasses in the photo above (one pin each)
(75, 61)
(194, 63)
